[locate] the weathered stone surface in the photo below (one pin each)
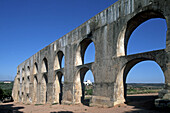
(38, 79)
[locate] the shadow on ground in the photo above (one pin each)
(62, 112)
(144, 104)
(9, 108)
(86, 102)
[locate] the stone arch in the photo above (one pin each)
(35, 68)
(27, 84)
(28, 70)
(58, 60)
(81, 49)
(35, 89)
(78, 85)
(131, 25)
(44, 66)
(35, 83)
(18, 89)
(43, 93)
(58, 87)
(23, 85)
(120, 92)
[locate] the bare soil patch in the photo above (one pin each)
(140, 103)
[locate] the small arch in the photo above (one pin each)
(44, 68)
(58, 61)
(23, 72)
(79, 86)
(80, 53)
(132, 24)
(35, 68)
(28, 71)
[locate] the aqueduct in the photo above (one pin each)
(38, 79)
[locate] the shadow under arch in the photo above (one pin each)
(58, 60)
(78, 86)
(131, 25)
(58, 87)
(44, 67)
(81, 49)
(35, 68)
(128, 67)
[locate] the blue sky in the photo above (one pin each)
(27, 26)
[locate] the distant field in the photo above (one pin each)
(5, 90)
(6, 86)
(134, 88)
(142, 88)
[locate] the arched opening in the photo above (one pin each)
(59, 60)
(150, 20)
(35, 84)
(83, 86)
(44, 68)
(44, 89)
(148, 36)
(85, 52)
(143, 79)
(35, 68)
(22, 95)
(58, 87)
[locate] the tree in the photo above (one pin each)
(1, 94)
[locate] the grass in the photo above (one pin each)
(38, 104)
(54, 103)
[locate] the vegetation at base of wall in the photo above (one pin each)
(89, 90)
(5, 90)
(141, 91)
(134, 88)
(38, 104)
(54, 103)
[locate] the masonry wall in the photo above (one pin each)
(110, 31)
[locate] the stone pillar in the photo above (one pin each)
(67, 97)
(164, 95)
(102, 94)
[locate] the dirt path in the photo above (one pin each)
(136, 104)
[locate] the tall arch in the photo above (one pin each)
(79, 59)
(59, 58)
(79, 87)
(58, 87)
(132, 24)
(44, 81)
(121, 92)
(35, 83)
(23, 85)
(44, 95)
(35, 90)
